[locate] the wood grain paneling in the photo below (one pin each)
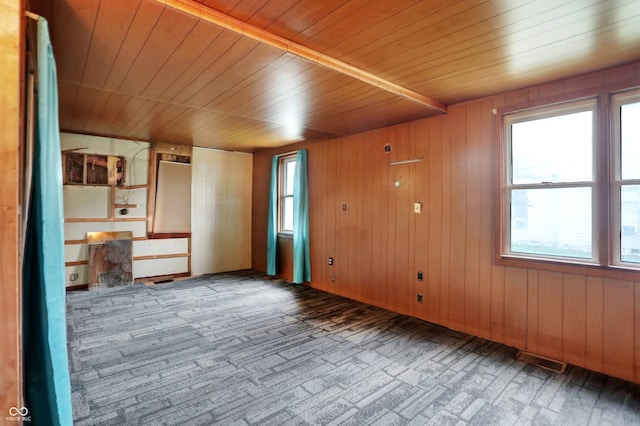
(421, 235)
(434, 165)
(574, 328)
(445, 240)
(515, 307)
(636, 337)
(11, 58)
(486, 154)
(258, 74)
(458, 225)
(549, 328)
(382, 180)
(594, 323)
(472, 221)
(580, 316)
(284, 256)
(533, 301)
(400, 211)
(618, 333)
(260, 210)
(367, 204)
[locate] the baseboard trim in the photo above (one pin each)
(79, 287)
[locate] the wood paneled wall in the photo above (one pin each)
(11, 60)
(379, 243)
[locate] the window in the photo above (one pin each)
(560, 171)
(287, 169)
(626, 186)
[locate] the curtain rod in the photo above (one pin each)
(31, 15)
(286, 153)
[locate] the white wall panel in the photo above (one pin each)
(136, 196)
(83, 275)
(86, 201)
(78, 230)
(160, 247)
(75, 252)
(157, 267)
(220, 211)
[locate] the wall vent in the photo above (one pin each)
(542, 362)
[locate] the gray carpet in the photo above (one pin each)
(241, 349)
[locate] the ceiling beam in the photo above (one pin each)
(230, 23)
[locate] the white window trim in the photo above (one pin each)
(282, 167)
(617, 100)
(590, 104)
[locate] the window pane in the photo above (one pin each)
(289, 175)
(630, 221)
(630, 140)
(555, 149)
(552, 222)
(287, 214)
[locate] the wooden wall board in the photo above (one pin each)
(474, 200)
(11, 119)
(515, 307)
(420, 234)
(636, 337)
(594, 322)
(574, 327)
(380, 199)
(434, 165)
(550, 308)
(618, 333)
(486, 154)
(533, 302)
(458, 225)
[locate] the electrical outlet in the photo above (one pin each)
(419, 298)
(330, 261)
(420, 275)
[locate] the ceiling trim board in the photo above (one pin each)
(232, 24)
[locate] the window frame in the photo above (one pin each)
(283, 161)
(538, 113)
(605, 198)
(617, 182)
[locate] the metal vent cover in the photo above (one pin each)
(542, 362)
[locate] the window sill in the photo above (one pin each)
(285, 235)
(589, 269)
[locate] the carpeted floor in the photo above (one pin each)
(241, 349)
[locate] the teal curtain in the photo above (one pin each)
(46, 372)
(272, 227)
(301, 254)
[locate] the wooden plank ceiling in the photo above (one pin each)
(162, 70)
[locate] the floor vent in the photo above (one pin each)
(157, 280)
(542, 362)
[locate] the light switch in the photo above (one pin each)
(417, 207)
